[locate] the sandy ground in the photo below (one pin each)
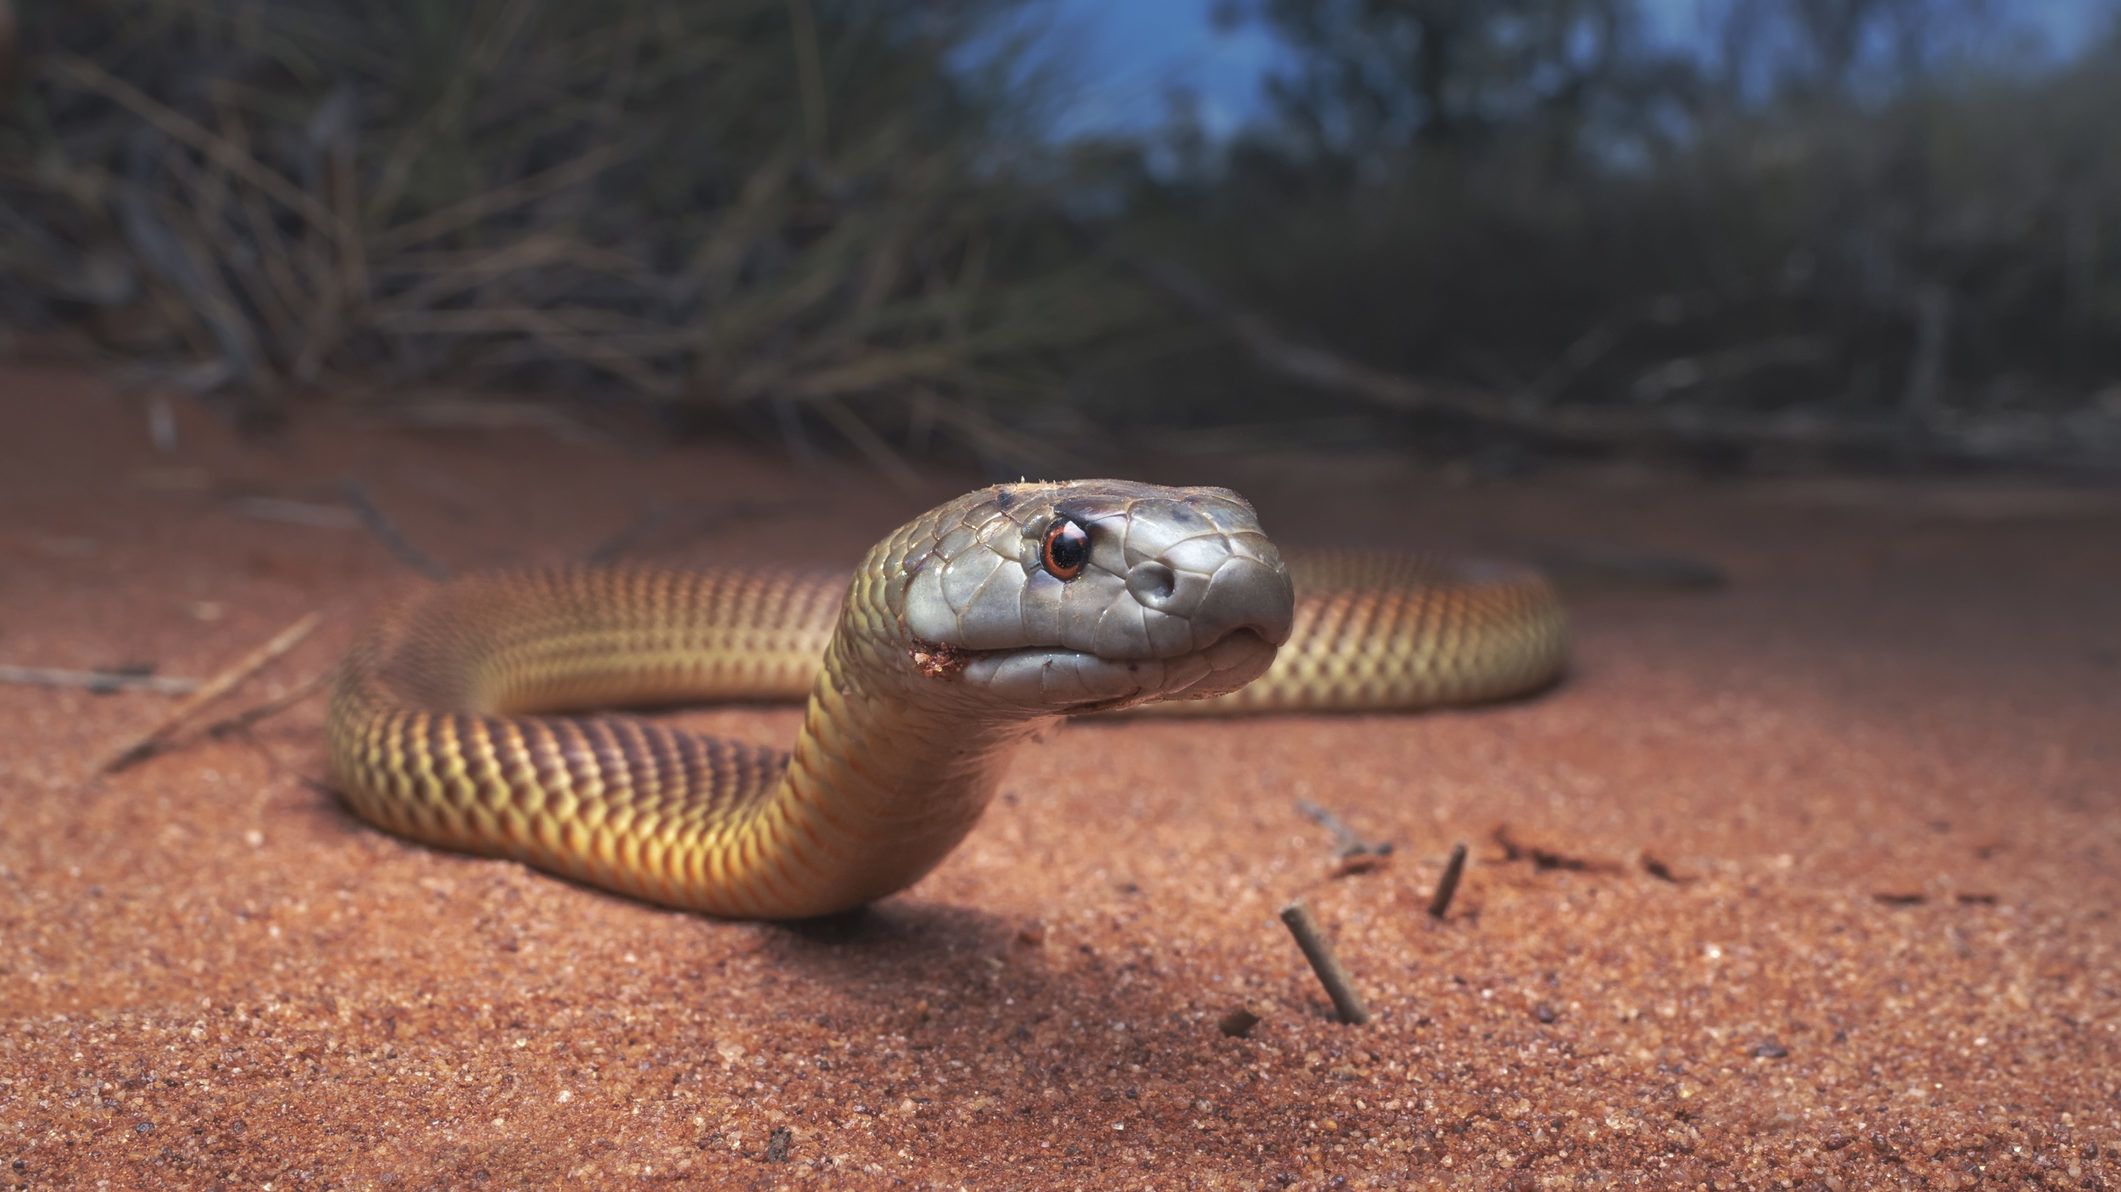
(1809, 880)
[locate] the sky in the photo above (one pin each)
(1130, 53)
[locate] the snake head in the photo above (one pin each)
(1093, 594)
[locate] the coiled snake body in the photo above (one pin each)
(963, 632)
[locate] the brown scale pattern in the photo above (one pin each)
(437, 730)
(1399, 632)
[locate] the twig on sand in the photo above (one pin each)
(1347, 1004)
(1549, 858)
(1354, 855)
(270, 708)
(155, 739)
(99, 681)
(1447, 885)
(387, 532)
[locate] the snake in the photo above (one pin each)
(497, 714)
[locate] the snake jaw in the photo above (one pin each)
(1072, 683)
(1182, 596)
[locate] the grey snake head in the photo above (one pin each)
(1092, 595)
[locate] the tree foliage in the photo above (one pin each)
(1888, 212)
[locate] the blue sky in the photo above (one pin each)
(1129, 53)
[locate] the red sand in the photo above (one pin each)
(1813, 878)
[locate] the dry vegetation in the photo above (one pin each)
(1862, 229)
(1846, 229)
(782, 210)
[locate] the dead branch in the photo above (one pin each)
(261, 712)
(1682, 431)
(1347, 1004)
(152, 741)
(386, 532)
(99, 681)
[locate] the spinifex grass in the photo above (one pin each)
(794, 209)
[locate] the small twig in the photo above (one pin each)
(1343, 835)
(1447, 885)
(98, 681)
(1346, 1003)
(387, 532)
(268, 709)
(501, 199)
(151, 742)
(1547, 858)
(1353, 854)
(1682, 373)
(181, 128)
(1660, 869)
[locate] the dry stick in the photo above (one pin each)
(210, 199)
(471, 210)
(1343, 835)
(270, 708)
(279, 292)
(1447, 885)
(1310, 364)
(386, 532)
(179, 127)
(1345, 838)
(1346, 1003)
(99, 681)
(152, 741)
(441, 281)
(594, 348)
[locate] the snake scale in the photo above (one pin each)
(962, 633)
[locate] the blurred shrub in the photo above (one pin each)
(791, 210)
(843, 216)
(1535, 200)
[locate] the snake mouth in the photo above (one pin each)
(1070, 682)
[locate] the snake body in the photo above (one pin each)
(963, 632)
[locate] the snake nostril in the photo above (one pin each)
(1152, 583)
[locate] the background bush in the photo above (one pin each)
(1872, 230)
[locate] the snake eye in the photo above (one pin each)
(1066, 549)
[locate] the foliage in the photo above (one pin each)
(1838, 212)
(794, 210)
(829, 215)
